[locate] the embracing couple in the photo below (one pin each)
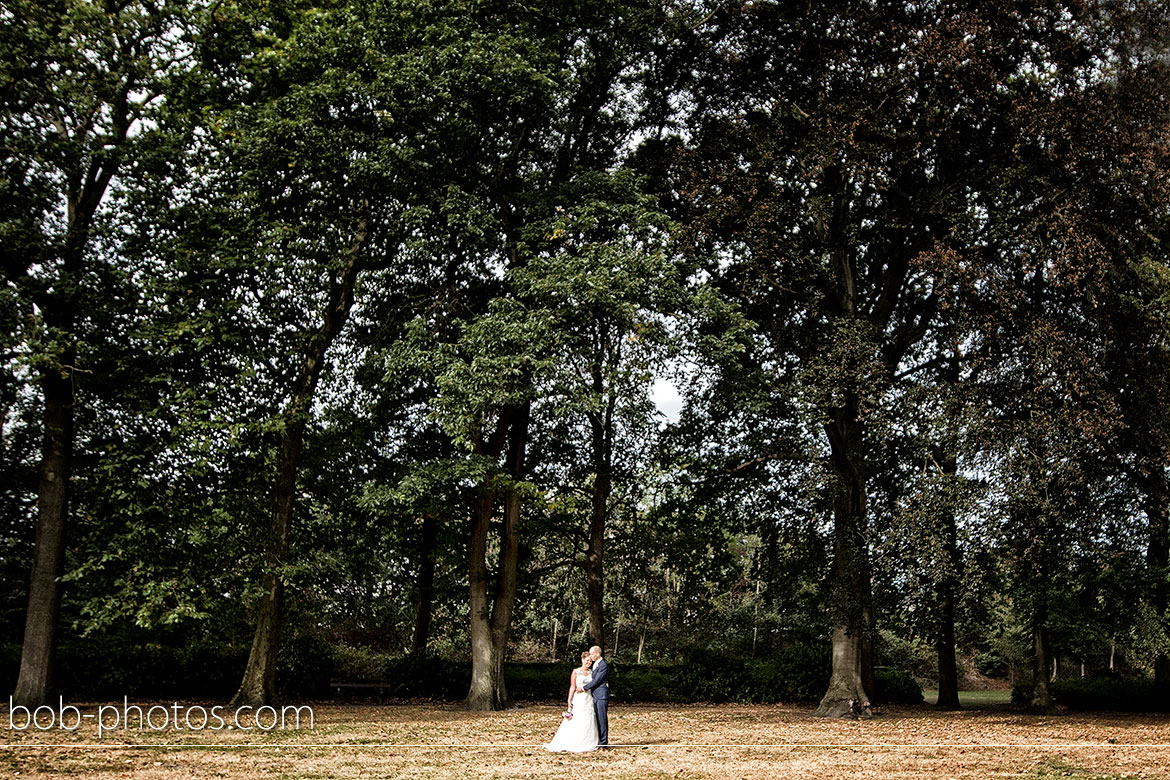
(585, 724)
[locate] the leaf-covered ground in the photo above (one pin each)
(717, 742)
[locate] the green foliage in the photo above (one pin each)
(426, 678)
(707, 676)
(304, 666)
(796, 673)
(356, 663)
(540, 682)
(897, 686)
(1148, 636)
(144, 665)
(646, 683)
(951, 236)
(1116, 692)
(990, 663)
(182, 663)
(799, 673)
(1108, 692)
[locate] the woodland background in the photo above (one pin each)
(332, 335)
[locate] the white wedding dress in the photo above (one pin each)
(578, 734)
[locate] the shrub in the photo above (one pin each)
(1100, 692)
(304, 666)
(1022, 693)
(990, 663)
(796, 673)
(897, 686)
(706, 676)
(538, 681)
(409, 676)
(210, 668)
(1107, 692)
(644, 683)
(357, 664)
(799, 673)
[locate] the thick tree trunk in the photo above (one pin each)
(1041, 701)
(34, 685)
(948, 671)
(601, 430)
(1158, 562)
(258, 687)
(850, 692)
(487, 691)
(426, 586)
(491, 624)
(852, 683)
(85, 184)
(846, 696)
(594, 559)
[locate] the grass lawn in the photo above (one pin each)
(446, 742)
(974, 698)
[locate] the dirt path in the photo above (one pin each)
(717, 742)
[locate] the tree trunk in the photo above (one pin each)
(426, 586)
(487, 690)
(594, 581)
(85, 180)
(258, 687)
(1041, 701)
(948, 670)
(851, 685)
(601, 425)
(34, 685)
(848, 694)
(1158, 563)
(491, 624)
(868, 674)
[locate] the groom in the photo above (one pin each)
(599, 687)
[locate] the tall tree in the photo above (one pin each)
(1068, 219)
(81, 83)
(554, 77)
(844, 147)
(843, 163)
(608, 290)
(318, 174)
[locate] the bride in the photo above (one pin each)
(578, 729)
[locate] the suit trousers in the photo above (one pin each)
(601, 707)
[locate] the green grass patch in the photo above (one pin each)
(1049, 770)
(974, 699)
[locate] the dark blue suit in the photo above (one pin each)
(599, 687)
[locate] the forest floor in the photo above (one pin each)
(719, 742)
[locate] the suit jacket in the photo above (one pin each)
(599, 685)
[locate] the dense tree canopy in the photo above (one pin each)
(344, 324)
